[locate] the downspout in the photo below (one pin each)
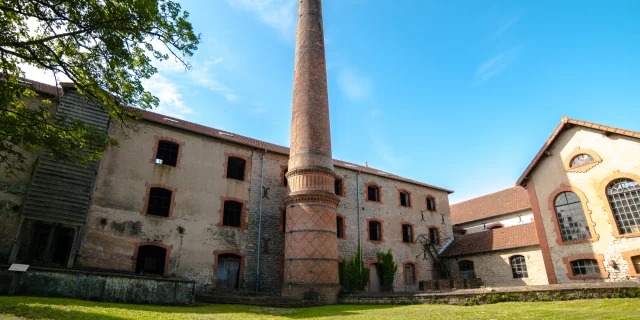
(260, 221)
(358, 216)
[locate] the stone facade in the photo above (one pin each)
(549, 175)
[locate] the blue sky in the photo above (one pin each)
(459, 94)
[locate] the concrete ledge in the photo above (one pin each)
(100, 286)
(487, 296)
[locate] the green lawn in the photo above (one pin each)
(49, 308)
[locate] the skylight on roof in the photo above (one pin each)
(350, 165)
(381, 172)
(226, 134)
(172, 120)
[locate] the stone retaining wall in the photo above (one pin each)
(100, 286)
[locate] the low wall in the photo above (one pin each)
(99, 286)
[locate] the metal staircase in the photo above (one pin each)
(433, 248)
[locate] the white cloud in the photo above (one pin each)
(278, 14)
(355, 86)
(171, 103)
(504, 27)
(496, 64)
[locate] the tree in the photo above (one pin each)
(387, 268)
(355, 274)
(105, 48)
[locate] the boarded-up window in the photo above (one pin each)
(167, 153)
(159, 202)
(375, 231)
(407, 233)
(228, 276)
(235, 168)
(232, 215)
(410, 273)
(373, 193)
(151, 260)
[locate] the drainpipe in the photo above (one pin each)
(260, 221)
(358, 211)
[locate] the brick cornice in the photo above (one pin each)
(585, 167)
(627, 255)
(587, 213)
(598, 257)
(315, 197)
(602, 194)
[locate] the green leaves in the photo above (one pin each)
(387, 268)
(103, 47)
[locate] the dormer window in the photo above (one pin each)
(167, 153)
(581, 160)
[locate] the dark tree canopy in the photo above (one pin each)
(105, 47)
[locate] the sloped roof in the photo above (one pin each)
(254, 143)
(493, 204)
(565, 123)
(43, 87)
(523, 235)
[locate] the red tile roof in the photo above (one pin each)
(43, 87)
(523, 235)
(270, 147)
(501, 202)
(565, 123)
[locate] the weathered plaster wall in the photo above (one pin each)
(507, 220)
(494, 268)
(619, 154)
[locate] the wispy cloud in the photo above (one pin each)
(170, 96)
(496, 64)
(278, 14)
(504, 27)
(355, 86)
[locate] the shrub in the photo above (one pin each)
(355, 274)
(387, 268)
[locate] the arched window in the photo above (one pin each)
(375, 231)
(167, 153)
(571, 218)
(624, 199)
(518, 267)
(465, 269)
(373, 193)
(405, 199)
(151, 260)
(431, 204)
(407, 233)
(581, 159)
(228, 270)
(232, 215)
(159, 202)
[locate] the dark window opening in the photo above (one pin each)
(341, 272)
(338, 186)
(50, 245)
(228, 271)
(235, 168)
(232, 215)
(518, 267)
(581, 159)
(410, 273)
(431, 204)
(285, 182)
(373, 193)
(465, 268)
(405, 201)
(151, 260)
(375, 231)
(159, 202)
(167, 153)
(340, 227)
(495, 227)
(624, 199)
(284, 220)
(407, 233)
(636, 263)
(585, 267)
(434, 237)
(571, 218)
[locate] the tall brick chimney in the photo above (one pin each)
(311, 247)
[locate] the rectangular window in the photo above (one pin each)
(585, 267)
(636, 263)
(404, 199)
(340, 227)
(232, 214)
(338, 186)
(433, 236)
(373, 194)
(159, 202)
(407, 233)
(236, 168)
(167, 153)
(284, 177)
(431, 204)
(375, 232)
(410, 273)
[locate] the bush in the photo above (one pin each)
(355, 274)
(387, 268)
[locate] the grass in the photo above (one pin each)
(53, 308)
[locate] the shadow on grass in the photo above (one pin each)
(62, 308)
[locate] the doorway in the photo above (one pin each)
(228, 276)
(374, 279)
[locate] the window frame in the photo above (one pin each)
(341, 181)
(283, 220)
(147, 197)
(414, 275)
(437, 230)
(412, 228)
(381, 223)
(582, 168)
(154, 152)
(247, 164)
(585, 208)
(472, 271)
(514, 265)
(366, 190)
(136, 249)
(216, 260)
(610, 206)
(426, 203)
(408, 195)
(243, 213)
(283, 178)
(344, 226)
(602, 193)
(628, 257)
(589, 256)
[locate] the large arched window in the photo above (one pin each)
(518, 267)
(571, 218)
(624, 198)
